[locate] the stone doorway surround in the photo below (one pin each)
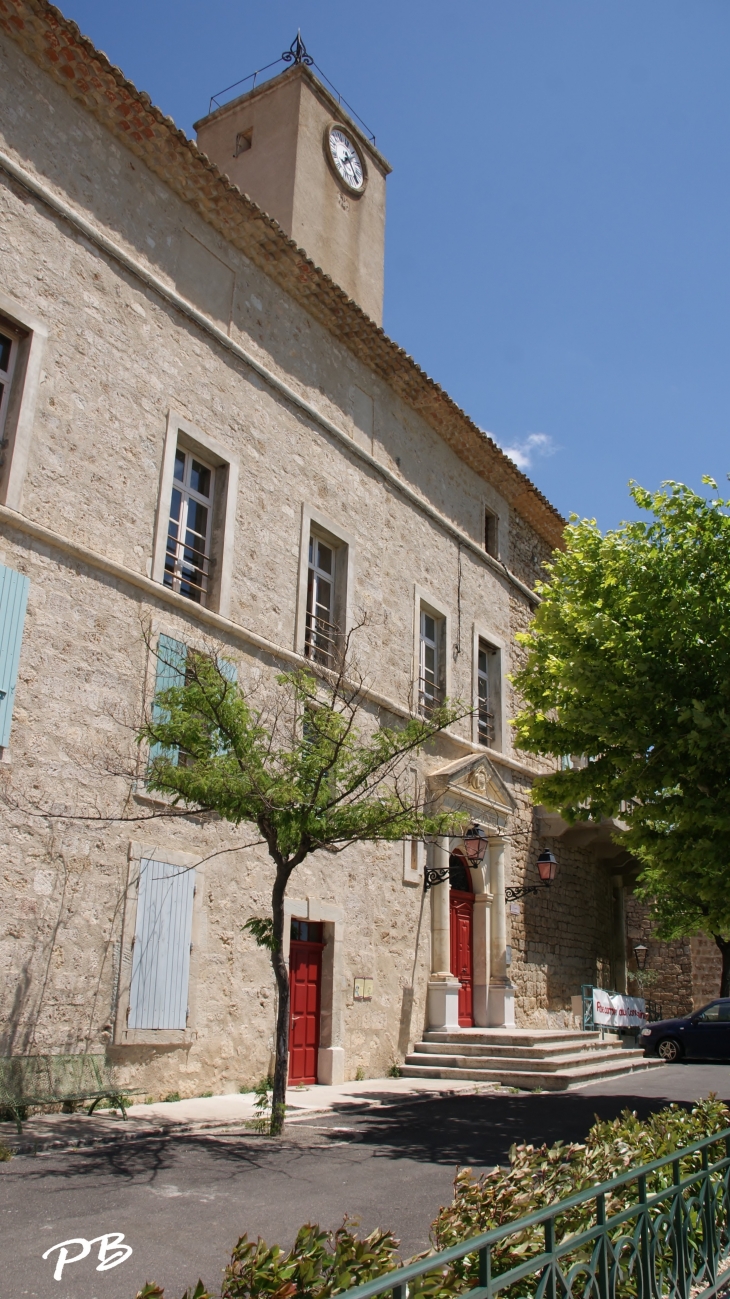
(472, 785)
(331, 1055)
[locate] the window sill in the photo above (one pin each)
(150, 798)
(155, 1037)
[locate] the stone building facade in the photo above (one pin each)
(163, 334)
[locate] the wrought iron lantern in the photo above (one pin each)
(547, 869)
(475, 844)
(641, 951)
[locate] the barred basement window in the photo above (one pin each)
(187, 557)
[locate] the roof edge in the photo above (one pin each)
(57, 45)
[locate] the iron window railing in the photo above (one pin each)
(670, 1241)
(187, 566)
(430, 696)
(486, 726)
(320, 640)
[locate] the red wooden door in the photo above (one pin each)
(305, 982)
(462, 915)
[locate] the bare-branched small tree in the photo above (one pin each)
(313, 768)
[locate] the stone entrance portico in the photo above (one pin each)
(472, 785)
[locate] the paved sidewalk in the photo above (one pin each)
(225, 1114)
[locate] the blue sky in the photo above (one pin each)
(558, 238)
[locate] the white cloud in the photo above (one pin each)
(535, 444)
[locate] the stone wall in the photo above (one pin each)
(560, 936)
(119, 358)
(688, 969)
(706, 970)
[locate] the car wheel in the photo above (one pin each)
(670, 1050)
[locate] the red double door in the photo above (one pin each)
(462, 924)
(305, 983)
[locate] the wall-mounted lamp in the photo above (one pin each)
(547, 868)
(475, 844)
(641, 951)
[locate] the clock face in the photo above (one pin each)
(346, 159)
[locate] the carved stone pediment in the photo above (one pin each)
(473, 784)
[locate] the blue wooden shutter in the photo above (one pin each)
(13, 602)
(161, 957)
(171, 659)
(228, 670)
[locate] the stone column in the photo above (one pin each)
(443, 988)
(501, 1002)
(619, 932)
(482, 950)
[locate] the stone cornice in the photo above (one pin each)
(147, 277)
(13, 521)
(58, 47)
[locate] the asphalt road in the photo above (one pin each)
(181, 1203)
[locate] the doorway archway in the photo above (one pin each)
(461, 912)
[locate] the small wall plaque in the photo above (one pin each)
(363, 989)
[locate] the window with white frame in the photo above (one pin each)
(187, 556)
(321, 632)
(8, 354)
(488, 690)
(430, 664)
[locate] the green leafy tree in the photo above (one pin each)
(628, 666)
(311, 767)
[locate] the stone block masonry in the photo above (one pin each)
(99, 231)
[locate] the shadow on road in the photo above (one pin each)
(452, 1130)
(479, 1130)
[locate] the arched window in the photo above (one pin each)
(459, 878)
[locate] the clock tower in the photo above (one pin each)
(290, 146)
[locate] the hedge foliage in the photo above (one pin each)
(321, 1264)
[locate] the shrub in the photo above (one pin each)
(263, 1092)
(536, 1178)
(5, 1153)
(394, 1071)
(319, 1264)
(172, 1096)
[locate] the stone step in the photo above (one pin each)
(442, 1044)
(592, 1071)
(506, 1037)
(483, 1059)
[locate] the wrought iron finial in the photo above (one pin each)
(297, 52)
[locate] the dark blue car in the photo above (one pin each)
(703, 1035)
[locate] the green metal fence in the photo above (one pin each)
(657, 1232)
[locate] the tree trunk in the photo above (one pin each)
(724, 945)
(281, 974)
